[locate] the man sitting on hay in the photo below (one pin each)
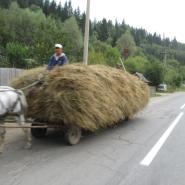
(59, 58)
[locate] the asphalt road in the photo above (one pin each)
(148, 150)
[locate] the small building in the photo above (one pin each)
(143, 78)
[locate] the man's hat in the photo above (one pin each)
(58, 46)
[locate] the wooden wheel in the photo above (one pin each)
(73, 135)
(38, 132)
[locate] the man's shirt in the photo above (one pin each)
(57, 61)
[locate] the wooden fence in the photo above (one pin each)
(8, 74)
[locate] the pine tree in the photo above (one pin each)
(5, 3)
(102, 30)
(23, 3)
(53, 8)
(46, 7)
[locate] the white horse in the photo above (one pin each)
(13, 102)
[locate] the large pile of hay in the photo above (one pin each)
(90, 97)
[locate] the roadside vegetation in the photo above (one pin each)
(30, 28)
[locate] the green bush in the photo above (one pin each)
(102, 53)
(4, 61)
(137, 64)
(172, 76)
(96, 58)
(16, 53)
(155, 73)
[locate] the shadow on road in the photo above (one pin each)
(54, 144)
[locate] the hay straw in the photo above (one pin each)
(90, 97)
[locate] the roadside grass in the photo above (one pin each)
(171, 89)
(181, 89)
(158, 95)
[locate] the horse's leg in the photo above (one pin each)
(26, 131)
(2, 136)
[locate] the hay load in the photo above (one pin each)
(89, 97)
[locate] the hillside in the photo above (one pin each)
(29, 29)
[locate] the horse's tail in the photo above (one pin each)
(23, 100)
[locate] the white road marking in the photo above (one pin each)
(182, 107)
(153, 152)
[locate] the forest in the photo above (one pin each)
(30, 28)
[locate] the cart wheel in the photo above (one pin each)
(38, 132)
(73, 135)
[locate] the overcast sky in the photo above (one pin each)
(161, 16)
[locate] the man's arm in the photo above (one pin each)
(65, 61)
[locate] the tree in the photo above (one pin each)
(36, 2)
(172, 77)
(96, 57)
(36, 25)
(82, 22)
(157, 38)
(137, 64)
(139, 35)
(20, 24)
(77, 14)
(112, 56)
(103, 53)
(182, 72)
(16, 53)
(46, 7)
(67, 11)
(102, 30)
(174, 63)
(155, 73)
(52, 8)
(126, 41)
(174, 43)
(72, 36)
(178, 80)
(23, 3)
(5, 3)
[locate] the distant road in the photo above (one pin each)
(148, 150)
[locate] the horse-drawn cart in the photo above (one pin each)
(72, 134)
(39, 130)
(77, 97)
(13, 103)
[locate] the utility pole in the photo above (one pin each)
(165, 52)
(165, 57)
(86, 37)
(164, 61)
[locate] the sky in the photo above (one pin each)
(166, 17)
